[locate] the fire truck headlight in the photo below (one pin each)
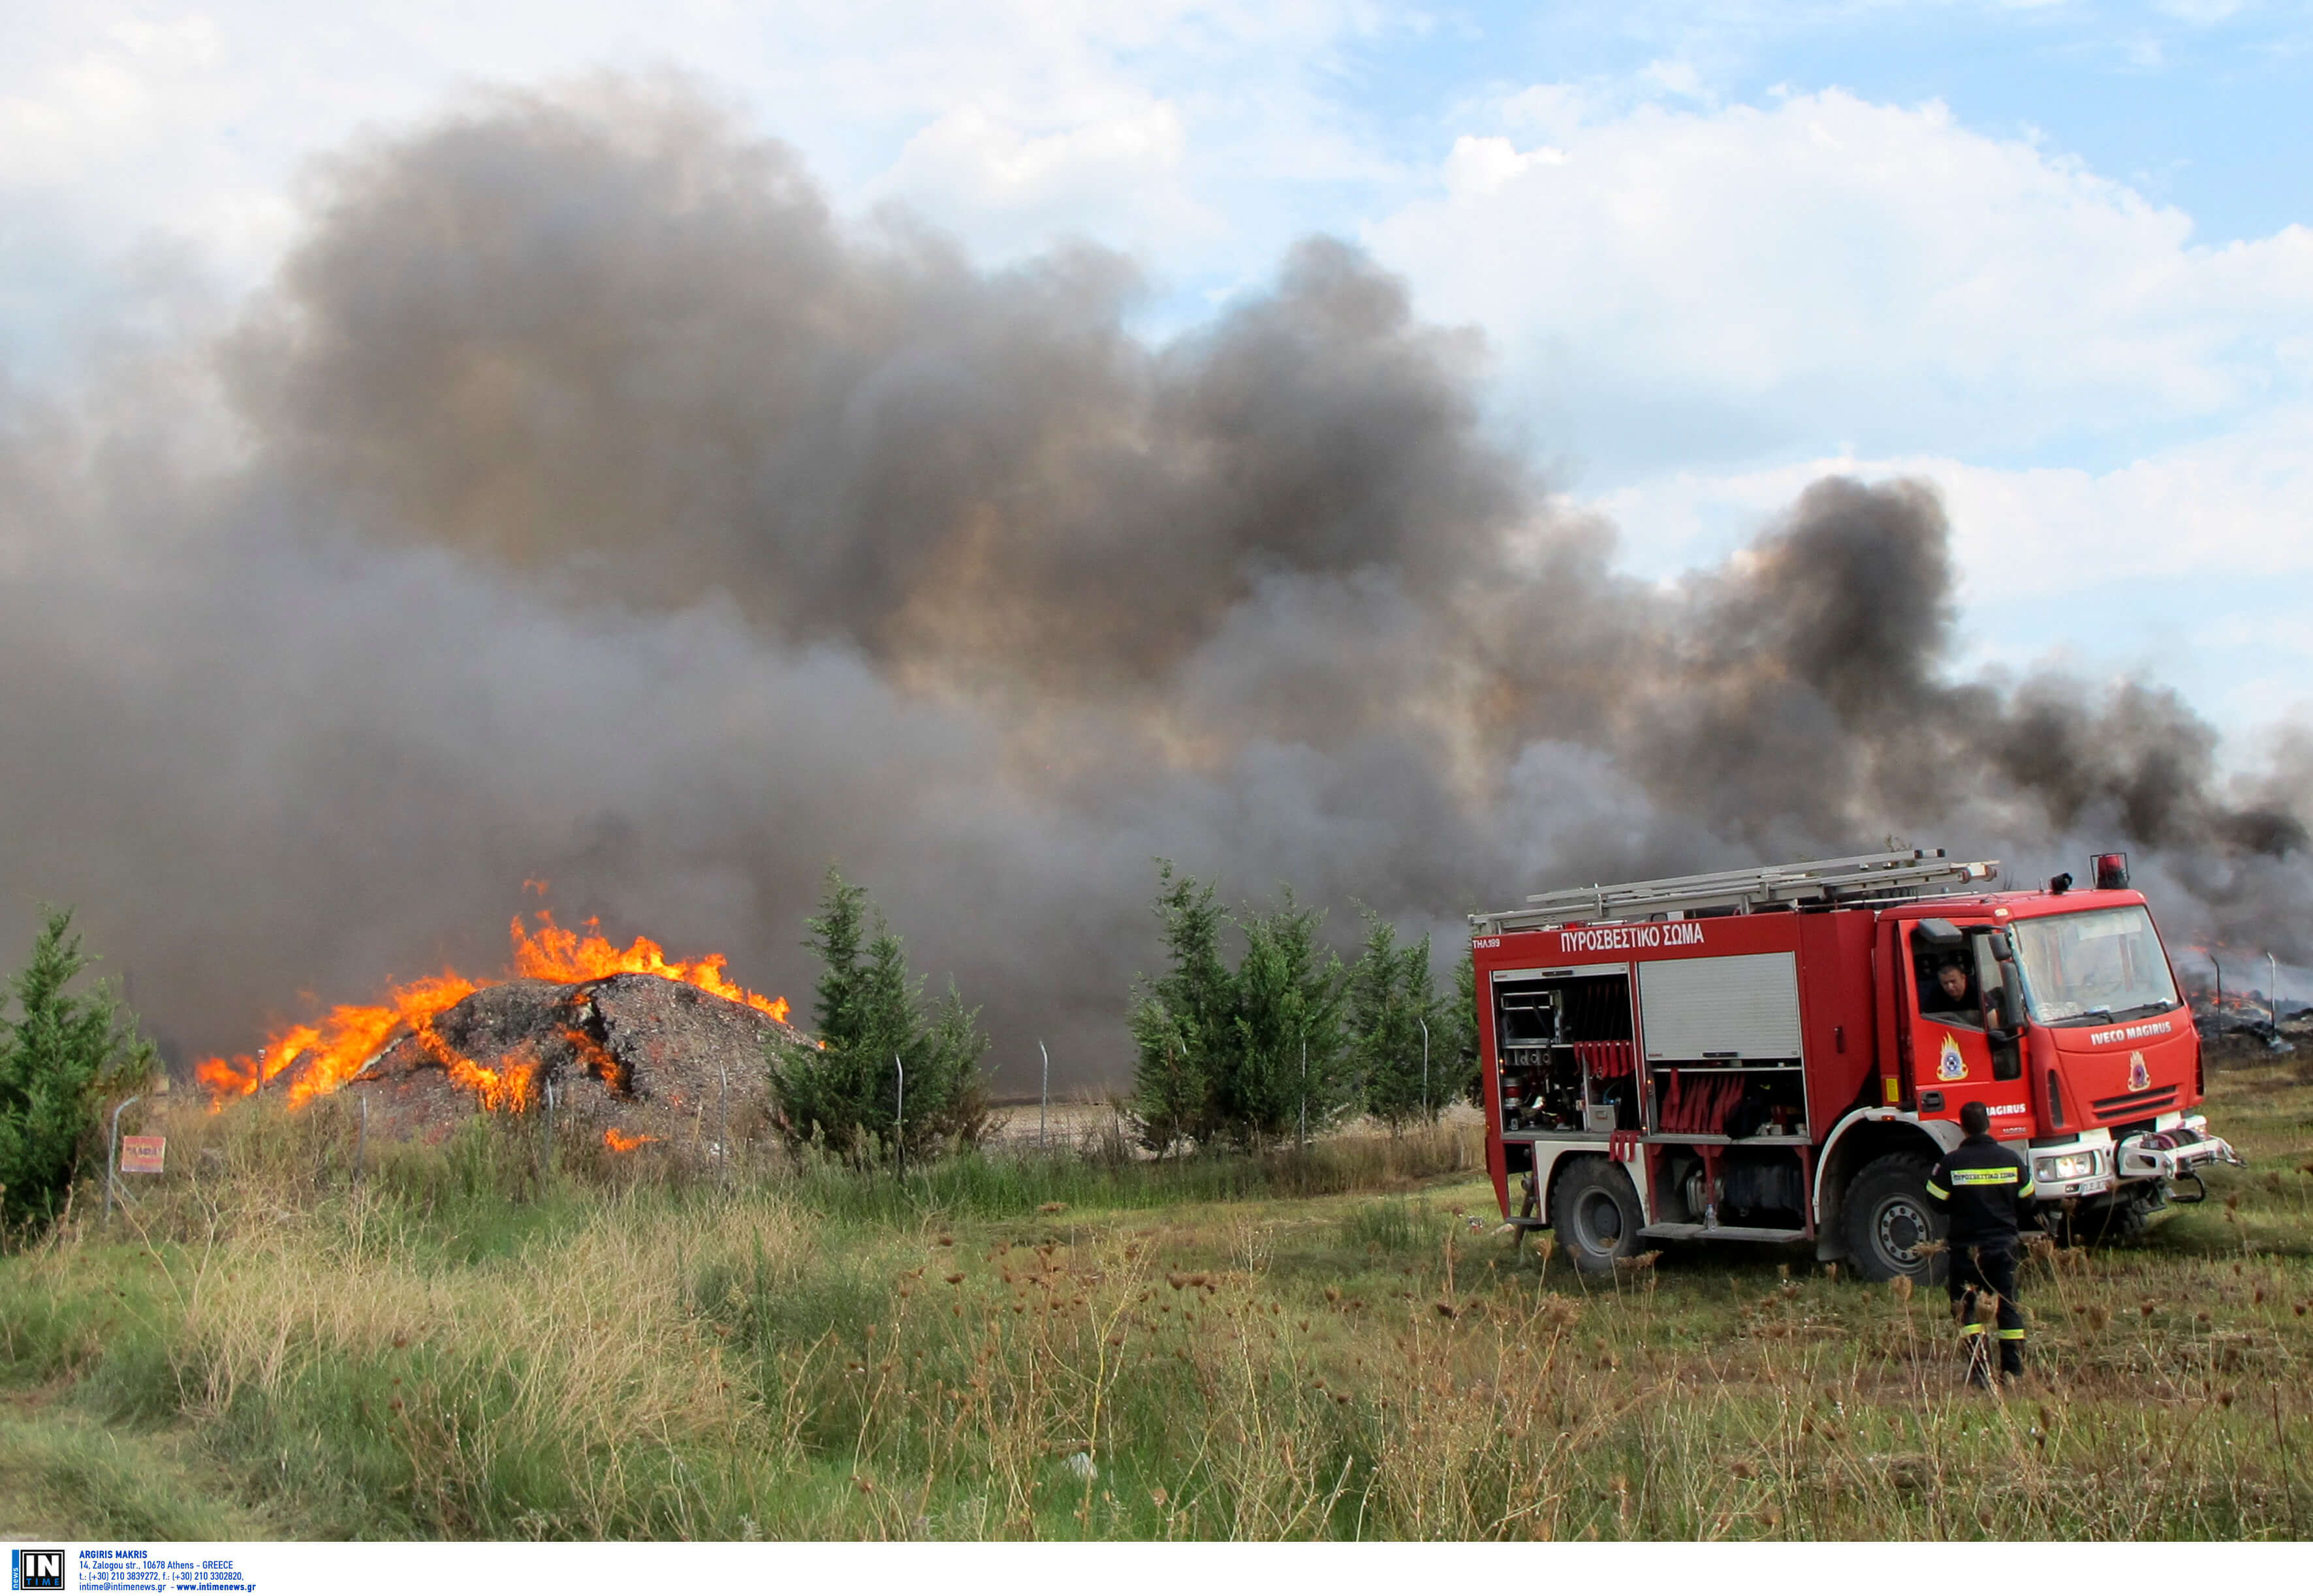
(2067, 1166)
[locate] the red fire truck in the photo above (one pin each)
(1781, 1053)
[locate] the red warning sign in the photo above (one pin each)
(142, 1156)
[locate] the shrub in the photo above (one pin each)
(1245, 1056)
(1288, 1070)
(1182, 1023)
(1401, 1074)
(842, 1092)
(1457, 1025)
(59, 1057)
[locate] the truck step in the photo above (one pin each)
(1718, 1232)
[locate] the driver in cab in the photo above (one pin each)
(1954, 993)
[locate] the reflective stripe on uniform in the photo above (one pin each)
(2004, 1175)
(2011, 1335)
(2027, 1190)
(1971, 1329)
(1937, 1192)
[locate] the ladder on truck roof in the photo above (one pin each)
(1861, 878)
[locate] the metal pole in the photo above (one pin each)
(1303, 1141)
(1044, 1095)
(2220, 991)
(1425, 1064)
(112, 1157)
(900, 1118)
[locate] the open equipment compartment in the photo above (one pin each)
(1728, 1088)
(1569, 1050)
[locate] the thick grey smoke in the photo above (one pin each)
(586, 502)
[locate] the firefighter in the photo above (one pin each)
(1986, 1191)
(1958, 989)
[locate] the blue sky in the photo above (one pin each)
(2053, 257)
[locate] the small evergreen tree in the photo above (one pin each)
(59, 1057)
(1288, 1069)
(1458, 1019)
(841, 1091)
(1390, 998)
(1182, 1024)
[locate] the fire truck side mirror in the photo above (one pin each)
(2007, 999)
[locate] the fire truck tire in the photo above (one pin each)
(1888, 1217)
(2118, 1220)
(1595, 1213)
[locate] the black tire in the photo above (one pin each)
(1595, 1211)
(2123, 1222)
(1888, 1217)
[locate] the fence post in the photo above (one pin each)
(1425, 1066)
(112, 1157)
(1303, 1141)
(1044, 1094)
(900, 1118)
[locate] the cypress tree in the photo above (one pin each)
(59, 1057)
(1390, 997)
(1182, 1023)
(841, 1091)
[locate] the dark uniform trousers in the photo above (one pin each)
(1982, 1273)
(1986, 1191)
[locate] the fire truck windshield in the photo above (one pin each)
(2102, 964)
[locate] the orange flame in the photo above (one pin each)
(617, 1141)
(320, 1056)
(554, 954)
(594, 1056)
(329, 1052)
(506, 1087)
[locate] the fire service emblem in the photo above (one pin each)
(2140, 1076)
(1949, 1064)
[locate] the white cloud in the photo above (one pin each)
(1118, 178)
(1476, 167)
(1760, 283)
(120, 88)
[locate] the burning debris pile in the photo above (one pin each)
(632, 1046)
(630, 1056)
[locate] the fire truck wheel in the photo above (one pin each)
(2117, 1220)
(1596, 1214)
(1888, 1218)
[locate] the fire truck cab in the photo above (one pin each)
(1781, 1055)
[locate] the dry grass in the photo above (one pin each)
(1335, 1347)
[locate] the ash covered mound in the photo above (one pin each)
(628, 1057)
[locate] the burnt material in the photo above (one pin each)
(647, 1057)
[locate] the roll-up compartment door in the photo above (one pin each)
(1746, 1006)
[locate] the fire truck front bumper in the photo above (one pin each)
(2181, 1151)
(2080, 1168)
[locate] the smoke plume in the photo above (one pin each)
(586, 502)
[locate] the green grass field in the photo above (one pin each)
(1333, 1345)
